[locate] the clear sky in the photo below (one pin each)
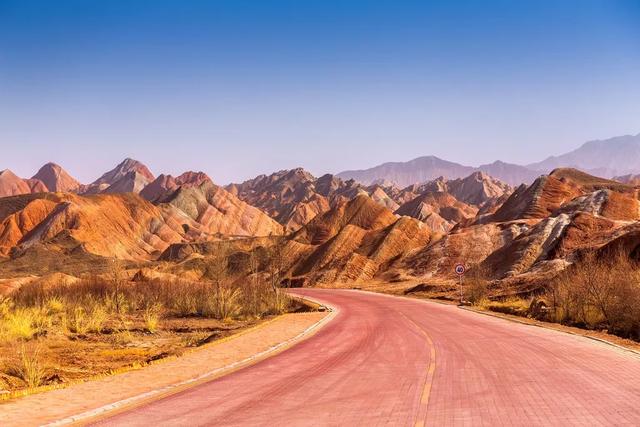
(237, 88)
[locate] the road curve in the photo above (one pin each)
(395, 361)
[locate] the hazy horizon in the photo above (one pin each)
(237, 89)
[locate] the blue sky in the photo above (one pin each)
(238, 88)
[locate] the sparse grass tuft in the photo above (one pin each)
(151, 317)
(514, 305)
(19, 325)
(55, 305)
(82, 321)
(185, 305)
(29, 367)
(6, 305)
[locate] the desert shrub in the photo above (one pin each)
(185, 305)
(98, 318)
(221, 302)
(599, 292)
(81, 320)
(28, 367)
(77, 320)
(277, 302)
(55, 305)
(6, 305)
(151, 316)
(513, 305)
(84, 306)
(41, 320)
(117, 302)
(19, 324)
(476, 285)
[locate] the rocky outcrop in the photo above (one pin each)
(361, 212)
(128, 174)
(132, 182)
(165, 184)
(294, 197)
(220, 212)
(439, 210)
(117, 226)
(159, 187)
(477, 189)
(354, 241)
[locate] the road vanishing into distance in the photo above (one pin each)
(395, 361)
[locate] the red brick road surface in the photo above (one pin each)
(395, 361)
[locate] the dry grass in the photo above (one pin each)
(514, 305)
(29, 366)
(24, 323)
(151, 317)
(81, 320)
(100, 325)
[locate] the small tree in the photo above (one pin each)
(599, 290)
(276, 270)
(223, 294)
(217, 269)
(118, 280)
(477, 284)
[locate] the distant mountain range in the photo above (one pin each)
(611, 157)
(325, 230)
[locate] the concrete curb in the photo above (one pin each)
(215, 373)
(601, 340)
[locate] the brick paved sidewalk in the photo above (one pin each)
(55, 405)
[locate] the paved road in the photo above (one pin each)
(393, 361)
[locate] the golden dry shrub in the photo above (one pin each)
(599, 291)
(28, 366)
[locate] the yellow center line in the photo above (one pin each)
(431, 369)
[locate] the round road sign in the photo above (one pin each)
(459, 269)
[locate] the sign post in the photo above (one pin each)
(460, 269)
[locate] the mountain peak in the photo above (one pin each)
(122, 169)
(619, 155)
(56, 179)
(131, 182)
(414, 171)
(193, 178)
(12, 185)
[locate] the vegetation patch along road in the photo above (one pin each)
(77, 399)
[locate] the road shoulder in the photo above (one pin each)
(93, 398)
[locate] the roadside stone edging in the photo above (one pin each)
(215, 373)
(543, 326)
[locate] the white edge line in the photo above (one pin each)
(124, 402)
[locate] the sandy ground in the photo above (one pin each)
(59, 404)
